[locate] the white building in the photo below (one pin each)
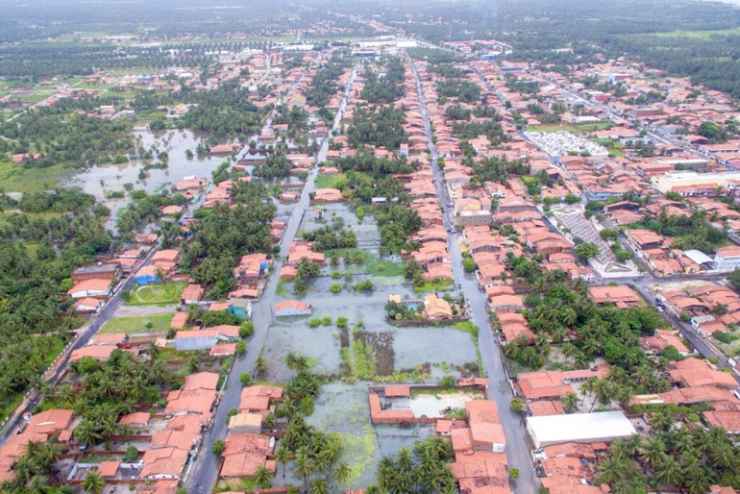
(728, 258)
(579, 427)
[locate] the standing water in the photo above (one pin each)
(102, 180)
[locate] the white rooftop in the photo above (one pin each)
(579, 427)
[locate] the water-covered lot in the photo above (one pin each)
(343, 409)
(367, 350)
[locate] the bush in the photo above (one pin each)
(518, 406)
(131, 455)
(342, 322)
(364, 286)
(314, 322)
(335, 288)
(447, 382)
(326, 321)
(218, 447)
(241, 348)
(726, 338)
(245, 378)
(468, 264)
(246, 329)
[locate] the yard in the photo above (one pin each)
(334, 181)
(154, 323)
(158, 294)
(439, 285)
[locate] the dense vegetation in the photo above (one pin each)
(61, 136)
(109, 389)
(560, 311)
(369, 177)
(324, 84)
(39, 249)
(224, 112)
(690, 459)
(688, 232)
(381, 126)
(332, 237)
(423, 471)
(385, 88)
(143, 209)
(223, 234)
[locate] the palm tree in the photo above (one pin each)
(93, 483)
(319, 486)
(304, 466)
(282, 455)
(263, 477)
(570, 402)
(343, 474)
(667, 471)
(653, 451)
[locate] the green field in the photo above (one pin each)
(158, 294)
(330, 181)
(160, 323)
(434, 286)
(698, 35)
(19, 178)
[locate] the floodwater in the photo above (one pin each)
(343, 409)
(101, 180)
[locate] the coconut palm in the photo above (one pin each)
(304, 466)
(93, 483)
(283, 456)
(319, 486)
(263, 477)
(653, 451)
(343, 473)
(667, 471)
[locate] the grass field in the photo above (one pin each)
(330, 181)
(18, 178)
(158, 294)
(434, 286)
(699, 35)
(159, 323)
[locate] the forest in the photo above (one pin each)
(377, 126)
(37, 256)
(386, 88)
(224, 234)
(60, 135)
(224, 112)
(559, 311)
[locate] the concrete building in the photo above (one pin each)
(579, 427)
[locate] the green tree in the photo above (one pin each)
(93, 483)
(218, 447)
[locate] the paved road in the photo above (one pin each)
(499, 389)
(206, 466)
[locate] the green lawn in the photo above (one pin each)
(335, 181)
(372, 264)
(19, 178)
(158, 294)
(160, 323)
(434, 286)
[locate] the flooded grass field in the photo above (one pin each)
(344, 409)
(101, 181)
